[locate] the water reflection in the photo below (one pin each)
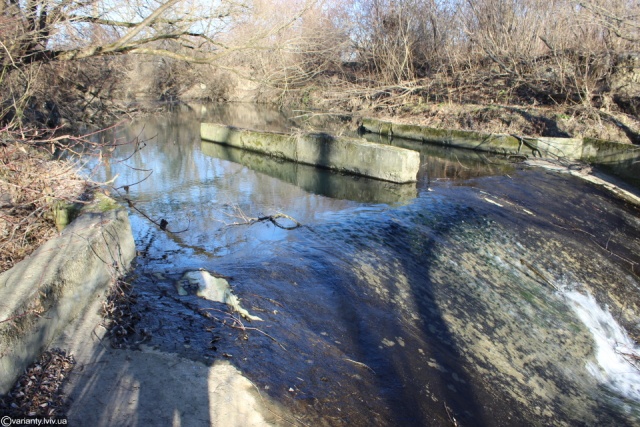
(316, 180)
(440, 162)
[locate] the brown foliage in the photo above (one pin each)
(30, 184)
(523, 52)
(38, 392)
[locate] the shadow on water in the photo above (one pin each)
(414, 359)
(452, 387)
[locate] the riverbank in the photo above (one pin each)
(565, 121)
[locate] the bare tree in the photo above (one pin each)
(49, 30)
(622, 18)
(39, 36)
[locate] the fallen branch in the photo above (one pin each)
(360, 364)
(247, 220)
(26, 313)
(538, 273)
(162, 224)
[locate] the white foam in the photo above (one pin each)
(612, 343)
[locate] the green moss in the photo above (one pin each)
(64, 213)
(377, 126)
(101, 203)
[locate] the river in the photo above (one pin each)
(487, 293)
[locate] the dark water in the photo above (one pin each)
(486, 294)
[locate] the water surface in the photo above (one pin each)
(485, 294)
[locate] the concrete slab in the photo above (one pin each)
(42, 294)
(116, 387)
(350, 155)
(619, 158)
(313, 179)
(564, 148)
(493, 143)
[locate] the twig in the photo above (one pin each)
(26, 313)
(360, 364)
(538, 273)
(237, 324)
(162, 224)
(453, 420)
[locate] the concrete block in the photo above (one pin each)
(355, 156)
(270, 143)
(565, 148)
(493, 143)
(360, 157)
(316, 180)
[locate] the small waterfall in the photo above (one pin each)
(616, 364)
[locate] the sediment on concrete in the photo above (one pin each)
(350, 155)
(596, 152)
(43, 293)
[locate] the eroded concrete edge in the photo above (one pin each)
(42, 294)
(593, 151)
(118, 387)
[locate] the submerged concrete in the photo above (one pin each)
(117, 387)
(43, 293)
(349, 155)
(213, 288)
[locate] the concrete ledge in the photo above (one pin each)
(608, 152)
(349, 155)
(617, 158)
(313, 179)
(621, 159)
(493, 143)
(40, 295)
(566, 148)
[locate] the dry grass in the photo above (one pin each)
(31, 183)
(471, 108)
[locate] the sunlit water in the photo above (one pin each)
(433, 303)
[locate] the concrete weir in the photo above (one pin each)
(623, 159)
(43, 293)
(489, 142)
(494, 143)
(313, 179)
(348, 155)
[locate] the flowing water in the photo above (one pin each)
(488, 293)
